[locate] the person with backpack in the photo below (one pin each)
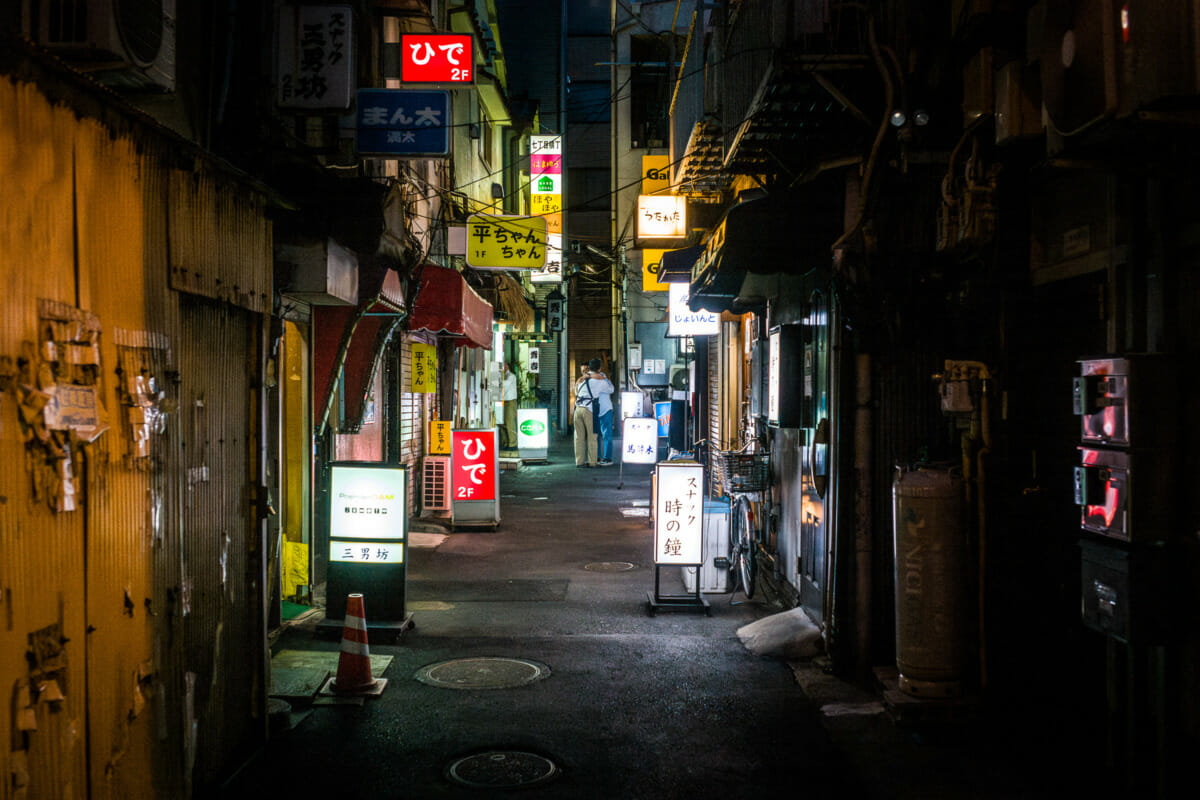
(601, 388)
(585, 433)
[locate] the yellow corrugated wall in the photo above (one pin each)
(98, 593)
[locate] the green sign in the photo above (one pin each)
(532, 427)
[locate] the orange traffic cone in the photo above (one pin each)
(354, 663)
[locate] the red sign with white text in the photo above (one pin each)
(436, 58)
(474, 465)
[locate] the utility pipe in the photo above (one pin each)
(862, 514)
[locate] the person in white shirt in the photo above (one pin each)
(510, 409)
(602, 389)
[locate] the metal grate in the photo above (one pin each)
(435, 484)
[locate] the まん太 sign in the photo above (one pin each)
(436, 58)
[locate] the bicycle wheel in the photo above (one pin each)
(747, 546)
(735, 520)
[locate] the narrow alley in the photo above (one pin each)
(623, 703)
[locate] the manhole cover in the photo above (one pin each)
(482, 673)
(502, 769)
(609, 566)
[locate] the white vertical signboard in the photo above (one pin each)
(679, 514)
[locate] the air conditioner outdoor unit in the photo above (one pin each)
(126, 43)
(435, 484)
(1103, 58)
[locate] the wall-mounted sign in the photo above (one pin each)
(506, 242)
(424, 368)
(678, 514)
(535, 356)
(474, 472)
(656, 174)
(639, 440)
(316, 64)
(651, 261)
(439, 438)
(662, 216)
(556, 311)
(682, 321)
(436, 58)
(551, 271)
(397, 122)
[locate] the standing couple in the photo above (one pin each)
(593, 414)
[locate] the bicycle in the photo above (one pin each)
(745, 476)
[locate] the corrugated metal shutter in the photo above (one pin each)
(713, 389)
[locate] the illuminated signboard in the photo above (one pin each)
(367, 503)
(773, 377)
(533, 429)
(682, 321)
(662, 413)
(545, 200)
(436, 58)
(398, 122)
(656, 174)
(367, 552)
(662, 216)
(631, 404)
(651, 262)
(678, 514)
(551, 271)
(639, 440)
(506, 242)
(474, 471)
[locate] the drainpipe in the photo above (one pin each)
(862, 515)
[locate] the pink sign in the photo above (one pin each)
(436, 58)
(545, 163)
(474, 465)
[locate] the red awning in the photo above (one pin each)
(447, 306)
(347, 343)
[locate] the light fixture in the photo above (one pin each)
(898, 119)
(921, 118)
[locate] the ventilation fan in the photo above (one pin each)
(1079, 63)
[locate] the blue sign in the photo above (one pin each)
(662, 412)
(401, 122)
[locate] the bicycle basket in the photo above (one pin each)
(743, 472)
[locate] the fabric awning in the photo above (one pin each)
(447, 306)
(347, 344)
(788, 233)
(676, 265)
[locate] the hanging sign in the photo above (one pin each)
(535, 357)
(436, 58)
(682, 321)
(395, 122)
(315, 66)
(662, 216)
(639, 440)
(678, 514)
(424, 368)
(506, 242)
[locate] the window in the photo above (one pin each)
(650, 86)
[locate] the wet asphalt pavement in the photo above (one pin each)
(634, 705)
